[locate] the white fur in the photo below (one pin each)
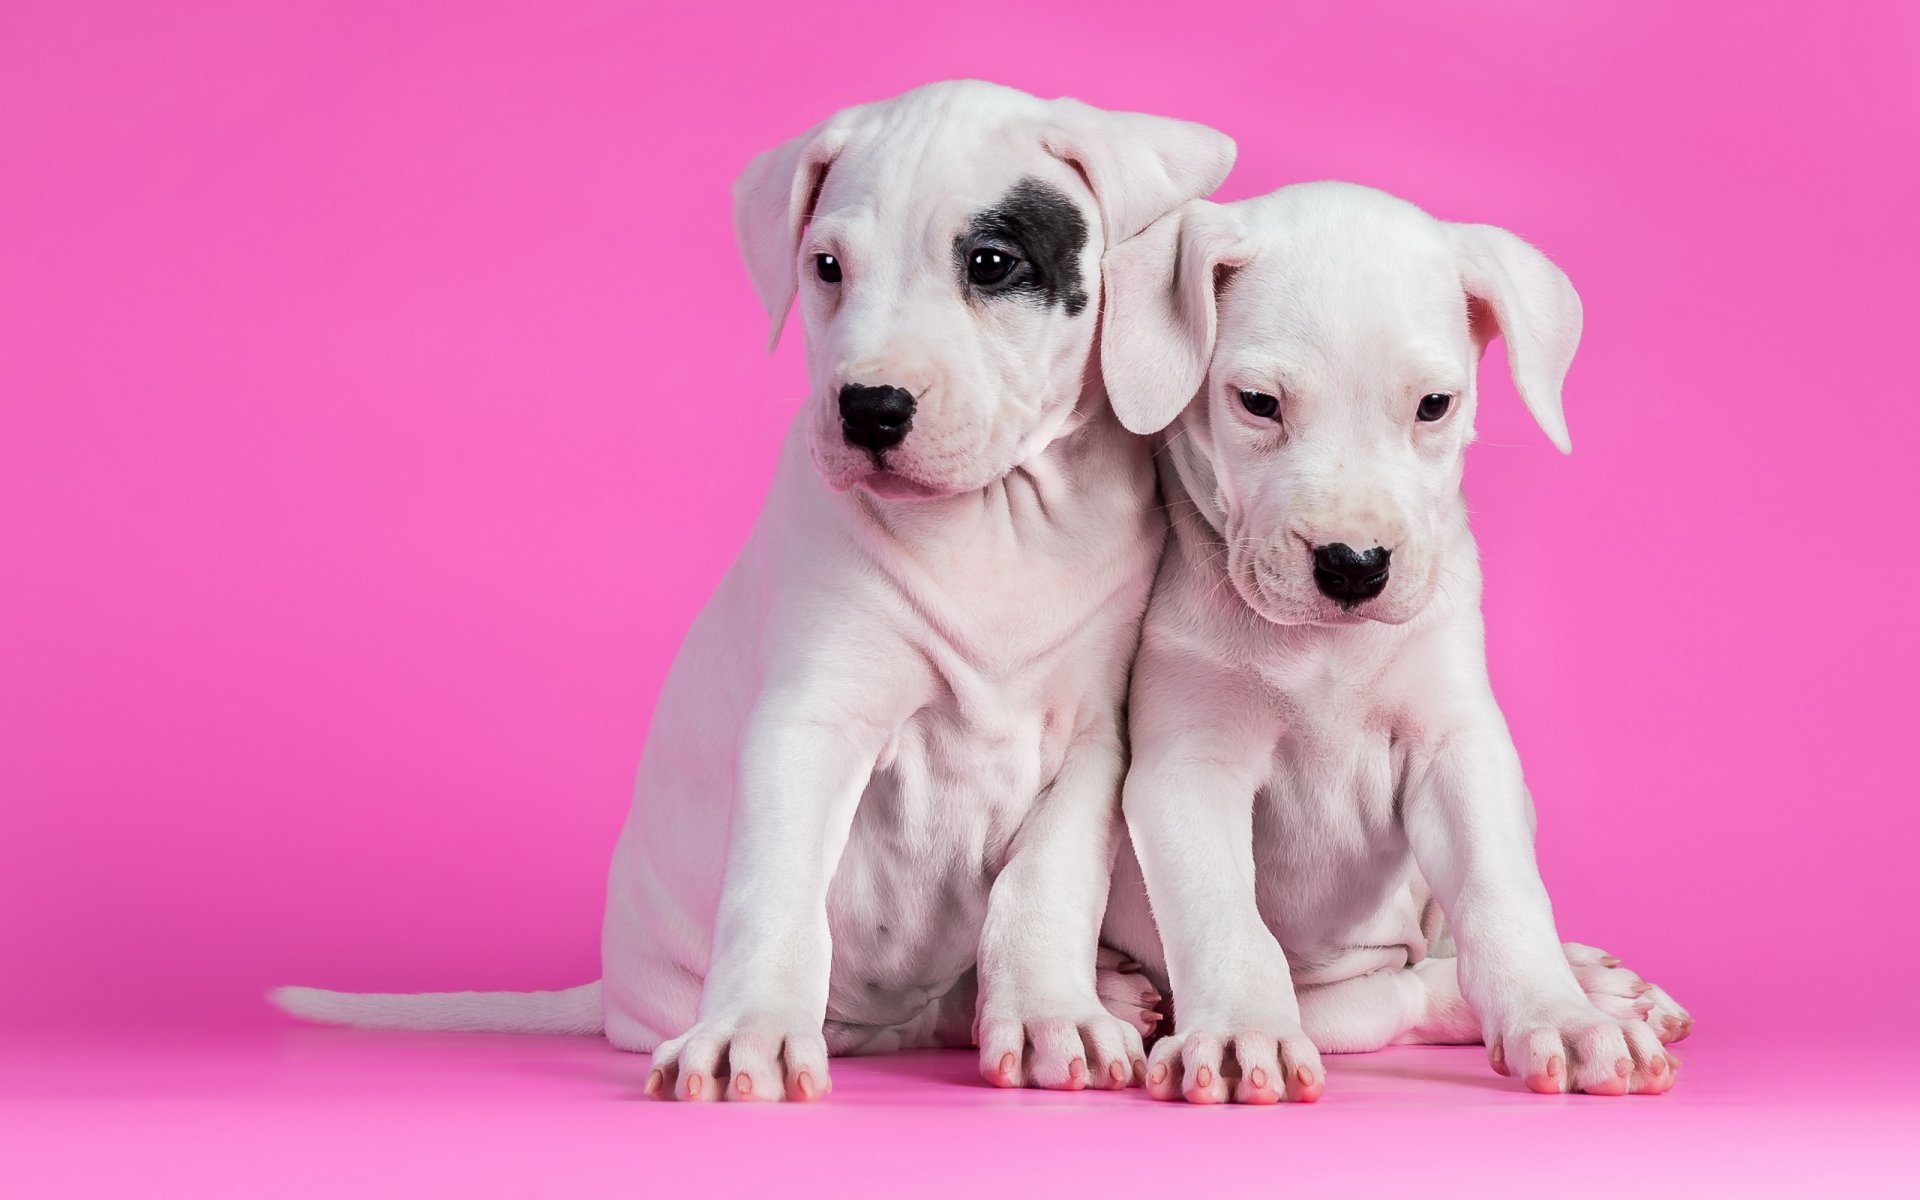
(890, 745)
(1302, 773)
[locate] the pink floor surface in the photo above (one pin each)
(299, 1112)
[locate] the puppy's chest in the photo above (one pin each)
(1328, 839)
(1022, 661)
(961, 774)
(1334, 785)
(931, 833)
(1026, 632)
(956, 781)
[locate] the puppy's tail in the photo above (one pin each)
(573, 1011)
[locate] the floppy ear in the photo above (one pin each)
(1138, 165)
(772, 202)
(1160, 315)
(1515, 292)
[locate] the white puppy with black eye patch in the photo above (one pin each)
(1314, 738)
(890, 745)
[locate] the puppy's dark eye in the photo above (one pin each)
(1259, 403)
(1434, 405)
(827, 267)
(986, 267)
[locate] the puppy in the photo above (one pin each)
(1315, 741)
(890, 746)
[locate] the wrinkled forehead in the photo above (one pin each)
(1343, 300)
(933, 180)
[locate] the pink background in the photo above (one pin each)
(380, 395)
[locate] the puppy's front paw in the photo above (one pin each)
(1577, 1048)
(1246, 1062)
(1621, 994)
(754, 1056)
(1088, 1047)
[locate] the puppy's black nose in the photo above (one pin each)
(875, 418)
(1349, 575)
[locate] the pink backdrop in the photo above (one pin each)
(361, 367)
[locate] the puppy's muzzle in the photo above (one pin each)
(875, 419)
(1350, 576)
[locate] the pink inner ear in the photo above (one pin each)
(1223, 273)
(1482, 323)
(1068, 150)
(818, 169)
(1079, 168)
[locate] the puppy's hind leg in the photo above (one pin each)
(1127, 992)
(1421, 1005)
(1416, 1005)
(1618, 992)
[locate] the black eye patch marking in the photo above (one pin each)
(1042, 231)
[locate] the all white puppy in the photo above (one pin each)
(1312, 726)
(890, 745)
